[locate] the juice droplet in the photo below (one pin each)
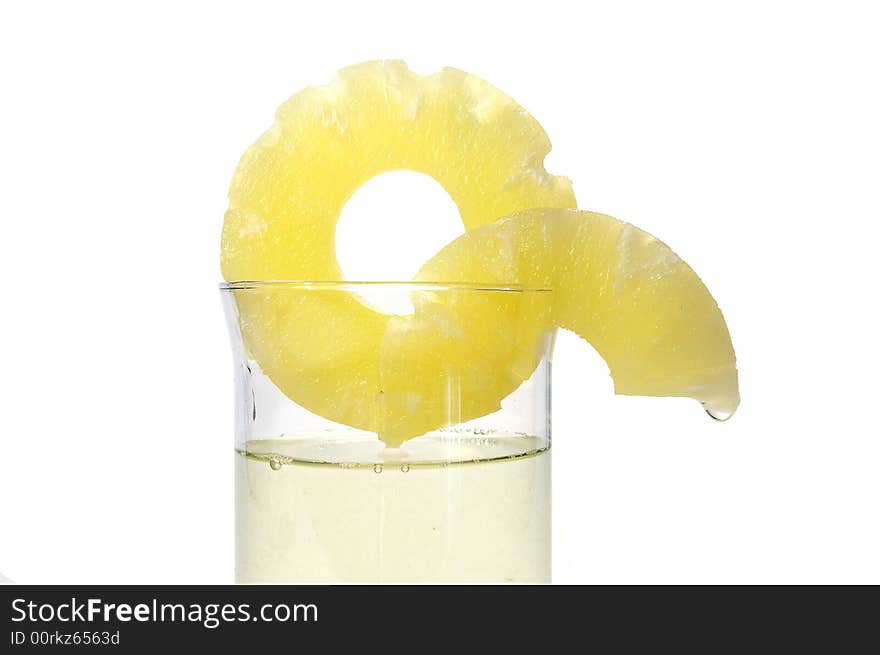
(404, 468)
(377, 468)
(275, 463)
(718, 414)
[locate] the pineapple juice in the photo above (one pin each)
(435, 510)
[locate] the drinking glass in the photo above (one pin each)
(390, 432)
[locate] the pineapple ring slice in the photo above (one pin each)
(322, 348)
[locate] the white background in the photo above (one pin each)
(744, 136)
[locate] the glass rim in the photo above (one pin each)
(355, 285)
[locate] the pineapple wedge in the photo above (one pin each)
(641, 307)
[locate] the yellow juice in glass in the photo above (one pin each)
(464, 510)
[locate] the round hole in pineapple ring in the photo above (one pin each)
(322, 348)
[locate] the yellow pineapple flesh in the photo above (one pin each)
(322, 348)
(643, 309)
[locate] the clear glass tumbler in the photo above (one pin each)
(391, 432)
